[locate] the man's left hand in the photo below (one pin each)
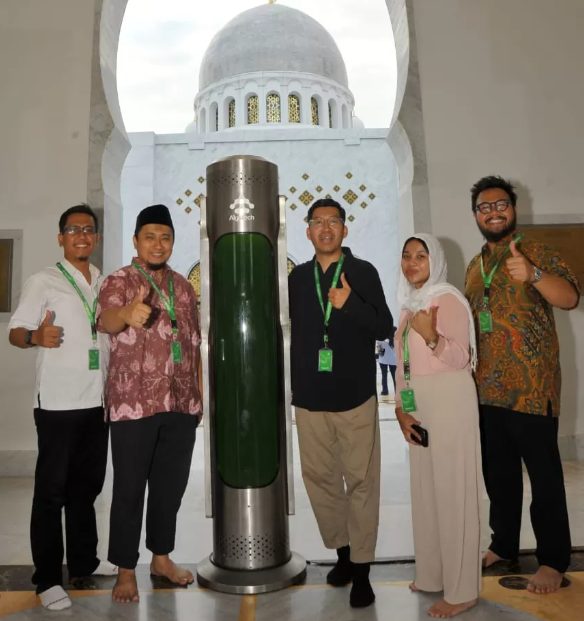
(518, 265)
(338, 297)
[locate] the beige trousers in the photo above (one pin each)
(446, 486)
(340, 460)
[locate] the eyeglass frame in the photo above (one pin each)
(493, 206)
(75, 229)
(321, 222)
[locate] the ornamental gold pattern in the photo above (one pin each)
(293, 109)
(253, 115)
(314, 111)
(231, 113)
(273, 114)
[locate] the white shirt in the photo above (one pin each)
(388, 354)
(63, 378)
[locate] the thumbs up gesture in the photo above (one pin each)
(48, 334)
(136, 313)
(338, 297)
(424, 323)
(518, 265)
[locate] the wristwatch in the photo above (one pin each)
(28, 338)
(537, 275)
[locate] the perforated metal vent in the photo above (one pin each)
(237, 178)
(252, 552)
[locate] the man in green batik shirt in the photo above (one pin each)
(513, 286)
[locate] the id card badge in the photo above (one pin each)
(408, 400)
(94, 359)
(485, 321)
(176, 352)
(325, 360)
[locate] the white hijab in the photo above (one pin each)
(414, 300)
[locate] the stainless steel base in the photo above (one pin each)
(251, 582)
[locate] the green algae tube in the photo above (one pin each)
(245, 360)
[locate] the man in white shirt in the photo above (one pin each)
(56, 316)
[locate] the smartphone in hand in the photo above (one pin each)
(423, 433)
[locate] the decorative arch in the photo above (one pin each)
(117, 147)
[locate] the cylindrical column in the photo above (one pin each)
(248, 465)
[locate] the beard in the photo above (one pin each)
(492, 236)
(156, 266)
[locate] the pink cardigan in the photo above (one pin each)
(452, 351)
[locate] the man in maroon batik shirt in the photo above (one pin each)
(152, 398)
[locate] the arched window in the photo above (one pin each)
(253, 110)
(293, 109)
(231, 113)
(273, 112)
(314, 111)
(214, 117)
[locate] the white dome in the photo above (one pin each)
(272, 37)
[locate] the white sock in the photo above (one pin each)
(55, 598)
(105, 568)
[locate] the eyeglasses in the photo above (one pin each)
(77, 230)
(486, 207)
(333, 222)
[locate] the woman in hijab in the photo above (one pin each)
(435, 345)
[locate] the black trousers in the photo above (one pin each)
(508, 437)
(384, 367)
(154, 451)
(70, 470)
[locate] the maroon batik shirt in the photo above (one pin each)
(142, 378)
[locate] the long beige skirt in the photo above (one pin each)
(446, 486)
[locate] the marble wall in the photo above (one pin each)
(356, 168)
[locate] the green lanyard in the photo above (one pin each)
(329, 306)
(406, 352)
(488, 278)
(167, 301)
(89, 311)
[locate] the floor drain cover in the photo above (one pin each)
(517, 583)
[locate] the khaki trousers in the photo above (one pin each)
(446, 485)
(340, 461)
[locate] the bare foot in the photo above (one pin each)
(490, 558)
(125, 589)
(443, 610)
(414, 588)
(163, 567)
(545, 580)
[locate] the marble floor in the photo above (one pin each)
(314, 599)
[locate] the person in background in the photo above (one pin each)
(386, 360)
(435, 390)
